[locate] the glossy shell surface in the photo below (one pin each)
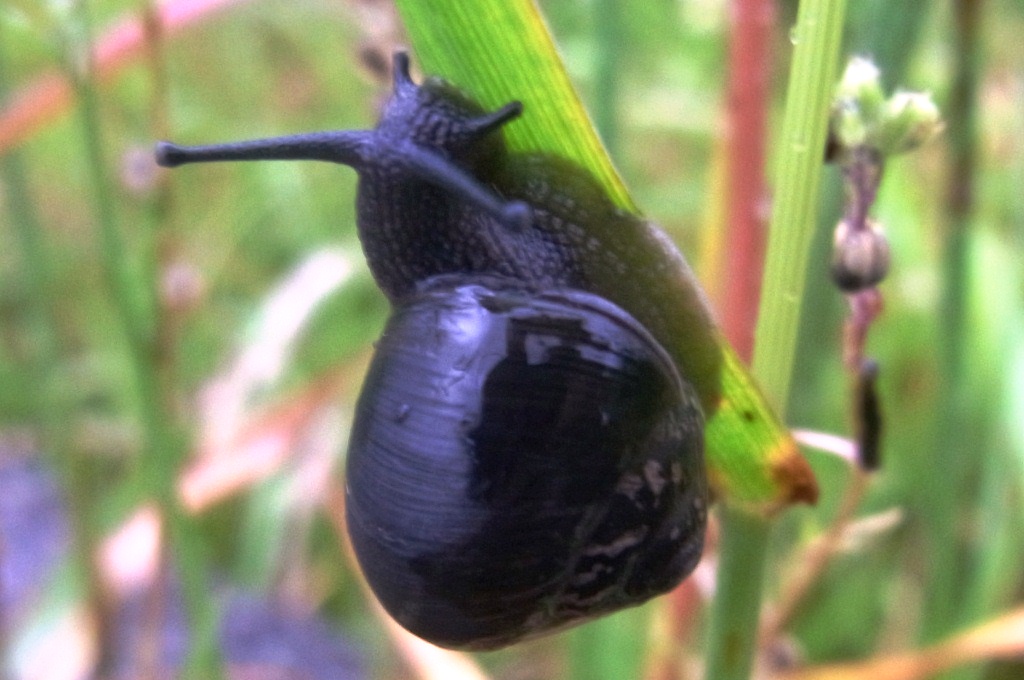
(519, 463)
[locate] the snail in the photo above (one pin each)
(526, 454)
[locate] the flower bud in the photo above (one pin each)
(861, 84)
(860, 257)
(858, 101)
(847, 125)
(861, 78)
(909, 119)
(862, 116)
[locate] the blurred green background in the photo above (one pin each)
(148, 319)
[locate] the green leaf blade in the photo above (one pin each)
(501, 50)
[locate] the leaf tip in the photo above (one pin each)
(794, 475)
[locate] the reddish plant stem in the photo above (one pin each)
(865, 306)
(746, 210)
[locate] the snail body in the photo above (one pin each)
(526, 454)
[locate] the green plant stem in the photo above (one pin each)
(818, 39)
(736, 610)
(611, 648)
(164, 443)
(49, 404)
(51, 408)
(944, 606)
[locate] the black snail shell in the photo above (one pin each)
(525, 455)
(520, 461)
